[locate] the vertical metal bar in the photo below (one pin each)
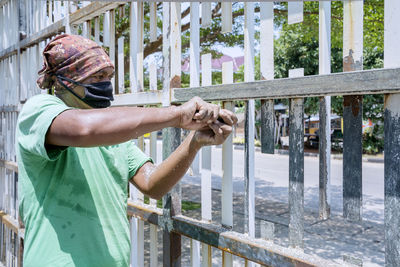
(194, 82)
(84, 30)
(153, 246)
(153, 73)
(137, 225)
(153, 22)
(226, 18)
(205, 14)
(51, 20)
(171, 136)
(153, 155)
(140, 45)
(296, 168)
(88, 29)
(392, 141)
(106, 27)
(324, 111)
(97, 30)
(249, 201)
(267, 73)
(171, 203)
(295, 12)
(206, 194)
(352, 112)
(195, 62)
(121, 66)
(267, 230)
(133, 48)
(227, 168)
(112, 40)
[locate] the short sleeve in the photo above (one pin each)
(136, 158)
(34, 120)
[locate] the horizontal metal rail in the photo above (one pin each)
(378, 81)
(137, 99)
(10, 165)
(11, 108)
(3, 2)
(253, 249)
(81, 15)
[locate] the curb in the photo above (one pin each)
(310, 154)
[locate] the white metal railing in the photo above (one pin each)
(27, 25)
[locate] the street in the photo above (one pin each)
(272, 179)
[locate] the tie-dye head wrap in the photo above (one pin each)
(73, 57)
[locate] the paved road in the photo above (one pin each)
(272, 172)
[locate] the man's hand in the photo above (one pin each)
(196, 114)
(216, 133)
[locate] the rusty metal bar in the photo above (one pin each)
(296, 172)
(392, 141)
(267, 126)
(324, 131)
(324, 157)
(352, 158)
(296, 168)
(352, 112)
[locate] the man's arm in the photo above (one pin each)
(155, 181)
(99, 127)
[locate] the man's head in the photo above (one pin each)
(79, 70)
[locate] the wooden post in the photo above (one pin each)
(352, 112)
(296, 168)
(392, 142)
(324, 111)
(206, 191)
(227, 168)
(267, 73)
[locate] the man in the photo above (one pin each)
(75, 157)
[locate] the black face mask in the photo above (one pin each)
(97, 95)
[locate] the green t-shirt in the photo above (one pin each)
(73, 200)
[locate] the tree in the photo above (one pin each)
(296, 45)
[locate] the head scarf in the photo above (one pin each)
(73, 57)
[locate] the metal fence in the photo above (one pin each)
(27, 25)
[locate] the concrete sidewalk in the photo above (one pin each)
(332, 239)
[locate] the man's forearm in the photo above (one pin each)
(99, 127)
(162, 178)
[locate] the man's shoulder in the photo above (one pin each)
(39, 103)
(42, 99)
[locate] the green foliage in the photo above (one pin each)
(295, 46)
